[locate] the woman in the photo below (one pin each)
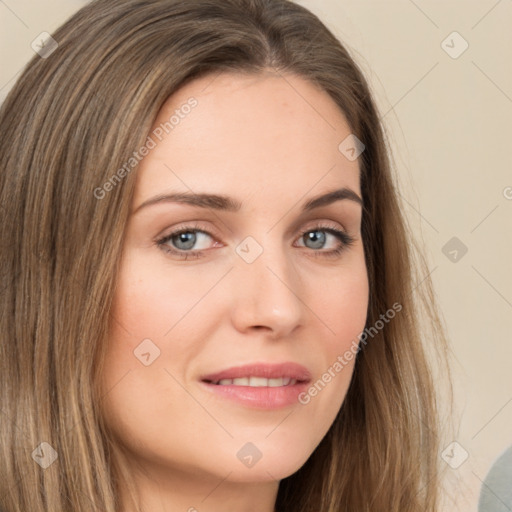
(209, 301)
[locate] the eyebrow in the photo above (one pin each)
(226, 203)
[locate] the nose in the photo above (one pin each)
(267, 295)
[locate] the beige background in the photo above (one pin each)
(450, 124)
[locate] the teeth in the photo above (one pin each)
(258, 382)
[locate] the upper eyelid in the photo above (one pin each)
(197, 227)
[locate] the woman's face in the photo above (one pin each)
(225, 267)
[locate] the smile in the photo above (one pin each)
(257, 382)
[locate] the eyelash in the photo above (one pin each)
(345, 241)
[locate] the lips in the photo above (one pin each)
(259, 385)
(260, 375)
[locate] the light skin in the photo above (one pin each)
(270, 142)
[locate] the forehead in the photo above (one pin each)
(241, 134)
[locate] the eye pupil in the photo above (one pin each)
(188, 238)
(185, 240)
(314, 237)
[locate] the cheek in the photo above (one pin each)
(342, 310)
(152, 299)
(341, 304)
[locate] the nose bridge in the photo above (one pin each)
(267, 285)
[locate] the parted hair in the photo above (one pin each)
(71, 120)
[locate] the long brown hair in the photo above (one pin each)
(73, 118)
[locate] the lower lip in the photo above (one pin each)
(259, 397)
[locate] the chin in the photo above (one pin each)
(271, 470)
(270, 461)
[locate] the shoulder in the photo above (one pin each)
(496, 493)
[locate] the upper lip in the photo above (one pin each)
(270, 371)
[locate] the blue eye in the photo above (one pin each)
(319, 236)
(182, 241)
(185, 240)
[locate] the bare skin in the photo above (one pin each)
(270, 142)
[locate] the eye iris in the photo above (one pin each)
(188, 237)
(318, 240)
